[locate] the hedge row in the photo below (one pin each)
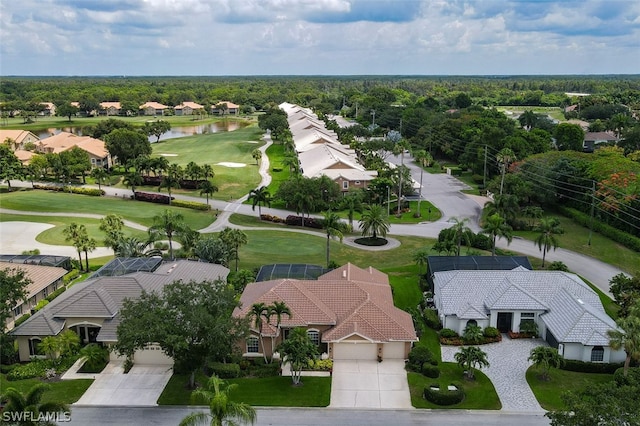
(21, 320)
(191, 205)
(590, 367)
(270, 218)
(56, 293)
(152, 198)
(73, 189)
(71, 275)
(184, 183)
(224, 371)
(443, 396)
(609, 231)
(308, 222)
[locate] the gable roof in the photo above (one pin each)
(349, 299)
(41, 276)
(64, 141)
(18, 136)
(189, 104)
(154, 105)
(314, 161)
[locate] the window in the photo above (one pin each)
(597, 354)
(45, 292)
(472, 323)
(527, 317)
(252, 345)
(345, 184)
(17, 311)
(314, 335)
(34, 346)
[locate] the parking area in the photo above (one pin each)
(369, 384)
(141, 387)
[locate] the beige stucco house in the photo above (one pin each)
(153, 108)
(187, 108)
(64, 141)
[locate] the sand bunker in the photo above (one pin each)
(227, 164)
(169, 155)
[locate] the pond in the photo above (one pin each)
(175, 132)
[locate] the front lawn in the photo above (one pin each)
(264, 392)
(404, 285)
(548, 392)
(65, 391)
(479, 394)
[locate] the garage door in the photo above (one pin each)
(355, 351)
(153, 355)
(393, 350)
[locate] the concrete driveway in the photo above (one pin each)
(141, 387)
(369, 384)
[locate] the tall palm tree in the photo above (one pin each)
(257, 155)
(628, 336)
(88, 244)
(234, 238)
(528, 119)
(278, 308)
(291, 161)
(222, 410)
(169, 181)
(260, 196)
(132, 179)
(505, 157)
(424, 159)
(495, 227)
(258, 312)
(207, 188)
(334, 228)
(374, 222)
(548, 227)
(421, 258)
(207, 171)
(352, 203)
(99, 174)
(471, 357)
(168, 224)
(30, 406)
(193, 171)
(506, 206)
(75, 233)
(461, 232)
(304, 202)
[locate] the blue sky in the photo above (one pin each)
(319, 37)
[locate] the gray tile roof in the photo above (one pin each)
(102, 297)
(572, 311)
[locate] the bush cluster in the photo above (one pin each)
(21, 320)
(609, 231)
(73, 189)
(430, 370)
(443, 396)
(491, 332)
(430, 317)
(152, 198)
(39, 367)
(419, 356)
(191, 183)
(270, 218)
(71, 275)
(191, 205)
(631, 379)
(224, 371)
(320, 364)
(309, 222)
(56, 293)
(590, 367)
(448, 333)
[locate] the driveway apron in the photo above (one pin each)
(369, 384)
(507, 371)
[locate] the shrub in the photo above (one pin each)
(472, 334)
(41, 304)
(21, 320)
(270, 218)
(590, 367)
(430, 317)
(529, 327)
(71, 275)
(418, 356)
(72, 189)
(56, 293)
(491, 332)
(477, 178)
(224, 371)
(191, 183)
(631, 379)
(430, 370)
(558, 266)
(309, 222)
(615, 234)
(151, 198)
(447, 333)
(35, 368)
(443, 396)
(320, 364)
(191, 205)
(481, 242)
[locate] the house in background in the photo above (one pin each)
(49, 109)
(64, 141)
(44, 281)
(91, 308)
(17, 139)
(593, 140)
(187, 108)
(110, 108)
(348, 312)
(153, 108)
(225, 107)
(567, 312)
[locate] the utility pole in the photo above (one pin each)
(484, 178)
(356, 110)
(373, 112)
(593, 204)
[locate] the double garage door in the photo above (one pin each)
(151, 355)
(367, 351)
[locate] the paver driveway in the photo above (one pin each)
(369, 384)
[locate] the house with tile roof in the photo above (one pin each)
(18, 138)
(225, 107)
(91, 308)
(110, 108)
(593, 140)
(153, 108)
(44, 281)
(348, 312)
(568, 313)
(64, 141)
(187, 108)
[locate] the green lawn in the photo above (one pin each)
(548, 392)
(246, 220)
(404, 283)
(431, 340)
(65, 391)
(480, 393)
(265, 392)
(135, 211)
(609, 305)
(276, 153)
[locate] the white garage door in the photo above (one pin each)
(153, 355)
(393, 350)
(355, 351)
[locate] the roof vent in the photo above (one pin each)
(172, 268)
(344, 273)
(580, 301)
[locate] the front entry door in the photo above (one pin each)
(504, 321)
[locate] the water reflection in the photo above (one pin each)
(175, 132)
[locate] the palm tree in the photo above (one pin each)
(222, 410)
(260, 196)
(193, 171)
(505, 205)
(334, 228)
(548, 228)
(99, 174)
(628, 336)
(374, 221)
(132, 179)
(505, 157)
(87, 244)
(461, 232)
(29, 406)
(290, 160)
(168, 224)
(234, 238)
(421, 257)
(76, 233)
(208, 188)
(352, 202)
(544, 357)
(528, 119)
(471, 357)
(258, 312)
(297, 350)
(304, 201)
(170, 180)
(425, 159)
(133, 247)
(278, 309)
(257, 155)
(495, 227)
(207, 171)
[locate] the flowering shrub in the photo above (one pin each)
(320, 364)
(270, 218)
(151, 198)
(191, 205)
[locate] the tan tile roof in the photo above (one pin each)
(23, 156)
(191, 105)
(230, 105)
(155, 105)
(64, 141)
(349, 298)
(41, 276)
(19, 136)
(106, 105)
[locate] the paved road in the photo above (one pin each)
(106, 416)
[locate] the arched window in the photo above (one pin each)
(597, 354)
(314, 335)
(34, 346)
(252, 345)
(472, 322)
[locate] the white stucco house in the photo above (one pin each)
(568, 313)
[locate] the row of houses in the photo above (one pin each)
(152, 108)
(320, 153)
(20, 140)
